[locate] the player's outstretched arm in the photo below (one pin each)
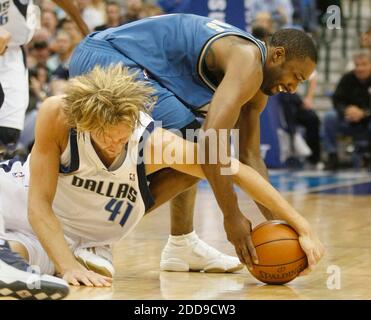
(165, 149)
(44, 169)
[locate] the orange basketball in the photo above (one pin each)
(280, 255)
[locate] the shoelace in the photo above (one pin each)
(11, 258)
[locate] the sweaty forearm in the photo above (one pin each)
(222, 186)
(50, 234)
(258, 164)
(213, 168)
(265, 194)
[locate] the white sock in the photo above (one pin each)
(184, 238)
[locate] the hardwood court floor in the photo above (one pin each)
(343, 222)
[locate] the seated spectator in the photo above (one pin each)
(364, 43)
(132, 10)
(280, 10)
(59, 62)
(299, 112)
(39, 86)
(365, 39)
(352, 103)
(39, 53)
(305, 15)
(113, 14)
(49, 21)
(69, 26)
(92, 16)
(150, 10)
(264, 21)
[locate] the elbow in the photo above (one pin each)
(33, 215)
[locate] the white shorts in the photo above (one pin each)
(13, 210)
(14, 83)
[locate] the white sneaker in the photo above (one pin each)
(189, 253)
(17, 280)
(97, 259)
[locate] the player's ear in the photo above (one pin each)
(279, 55)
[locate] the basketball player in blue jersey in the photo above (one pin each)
(85, 186)
(198, 64)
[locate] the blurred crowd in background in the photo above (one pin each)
(49, 52)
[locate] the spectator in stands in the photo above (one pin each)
(39, 86)
(49, 21)
(299, 112)
(150, 10)
(264, 21)
(39, 52)
(352, 103)
(58, 63)
(365, 39)
(305, 15)
(364, 42)
(92, 16)
(132, 10)
(113, 14)
(280, 10)
(66, 24)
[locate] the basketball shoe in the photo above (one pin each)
(97, 259)
(17, 280)
(189, 253)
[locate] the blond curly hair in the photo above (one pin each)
(106, 97)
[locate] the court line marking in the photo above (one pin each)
(328, 186)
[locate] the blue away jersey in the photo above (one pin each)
(171, 48)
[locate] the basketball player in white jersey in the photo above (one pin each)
(86, 187)
(18, 21)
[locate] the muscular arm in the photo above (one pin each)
(242, 79)
(44, 168)
(241, 67)
(73, 12)
(246, 177)
(249, 138)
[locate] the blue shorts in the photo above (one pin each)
(168, 109)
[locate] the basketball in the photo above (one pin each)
(280, 255)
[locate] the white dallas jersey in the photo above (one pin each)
(20, 18)
(96, 205)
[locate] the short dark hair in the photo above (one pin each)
(297, 44)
